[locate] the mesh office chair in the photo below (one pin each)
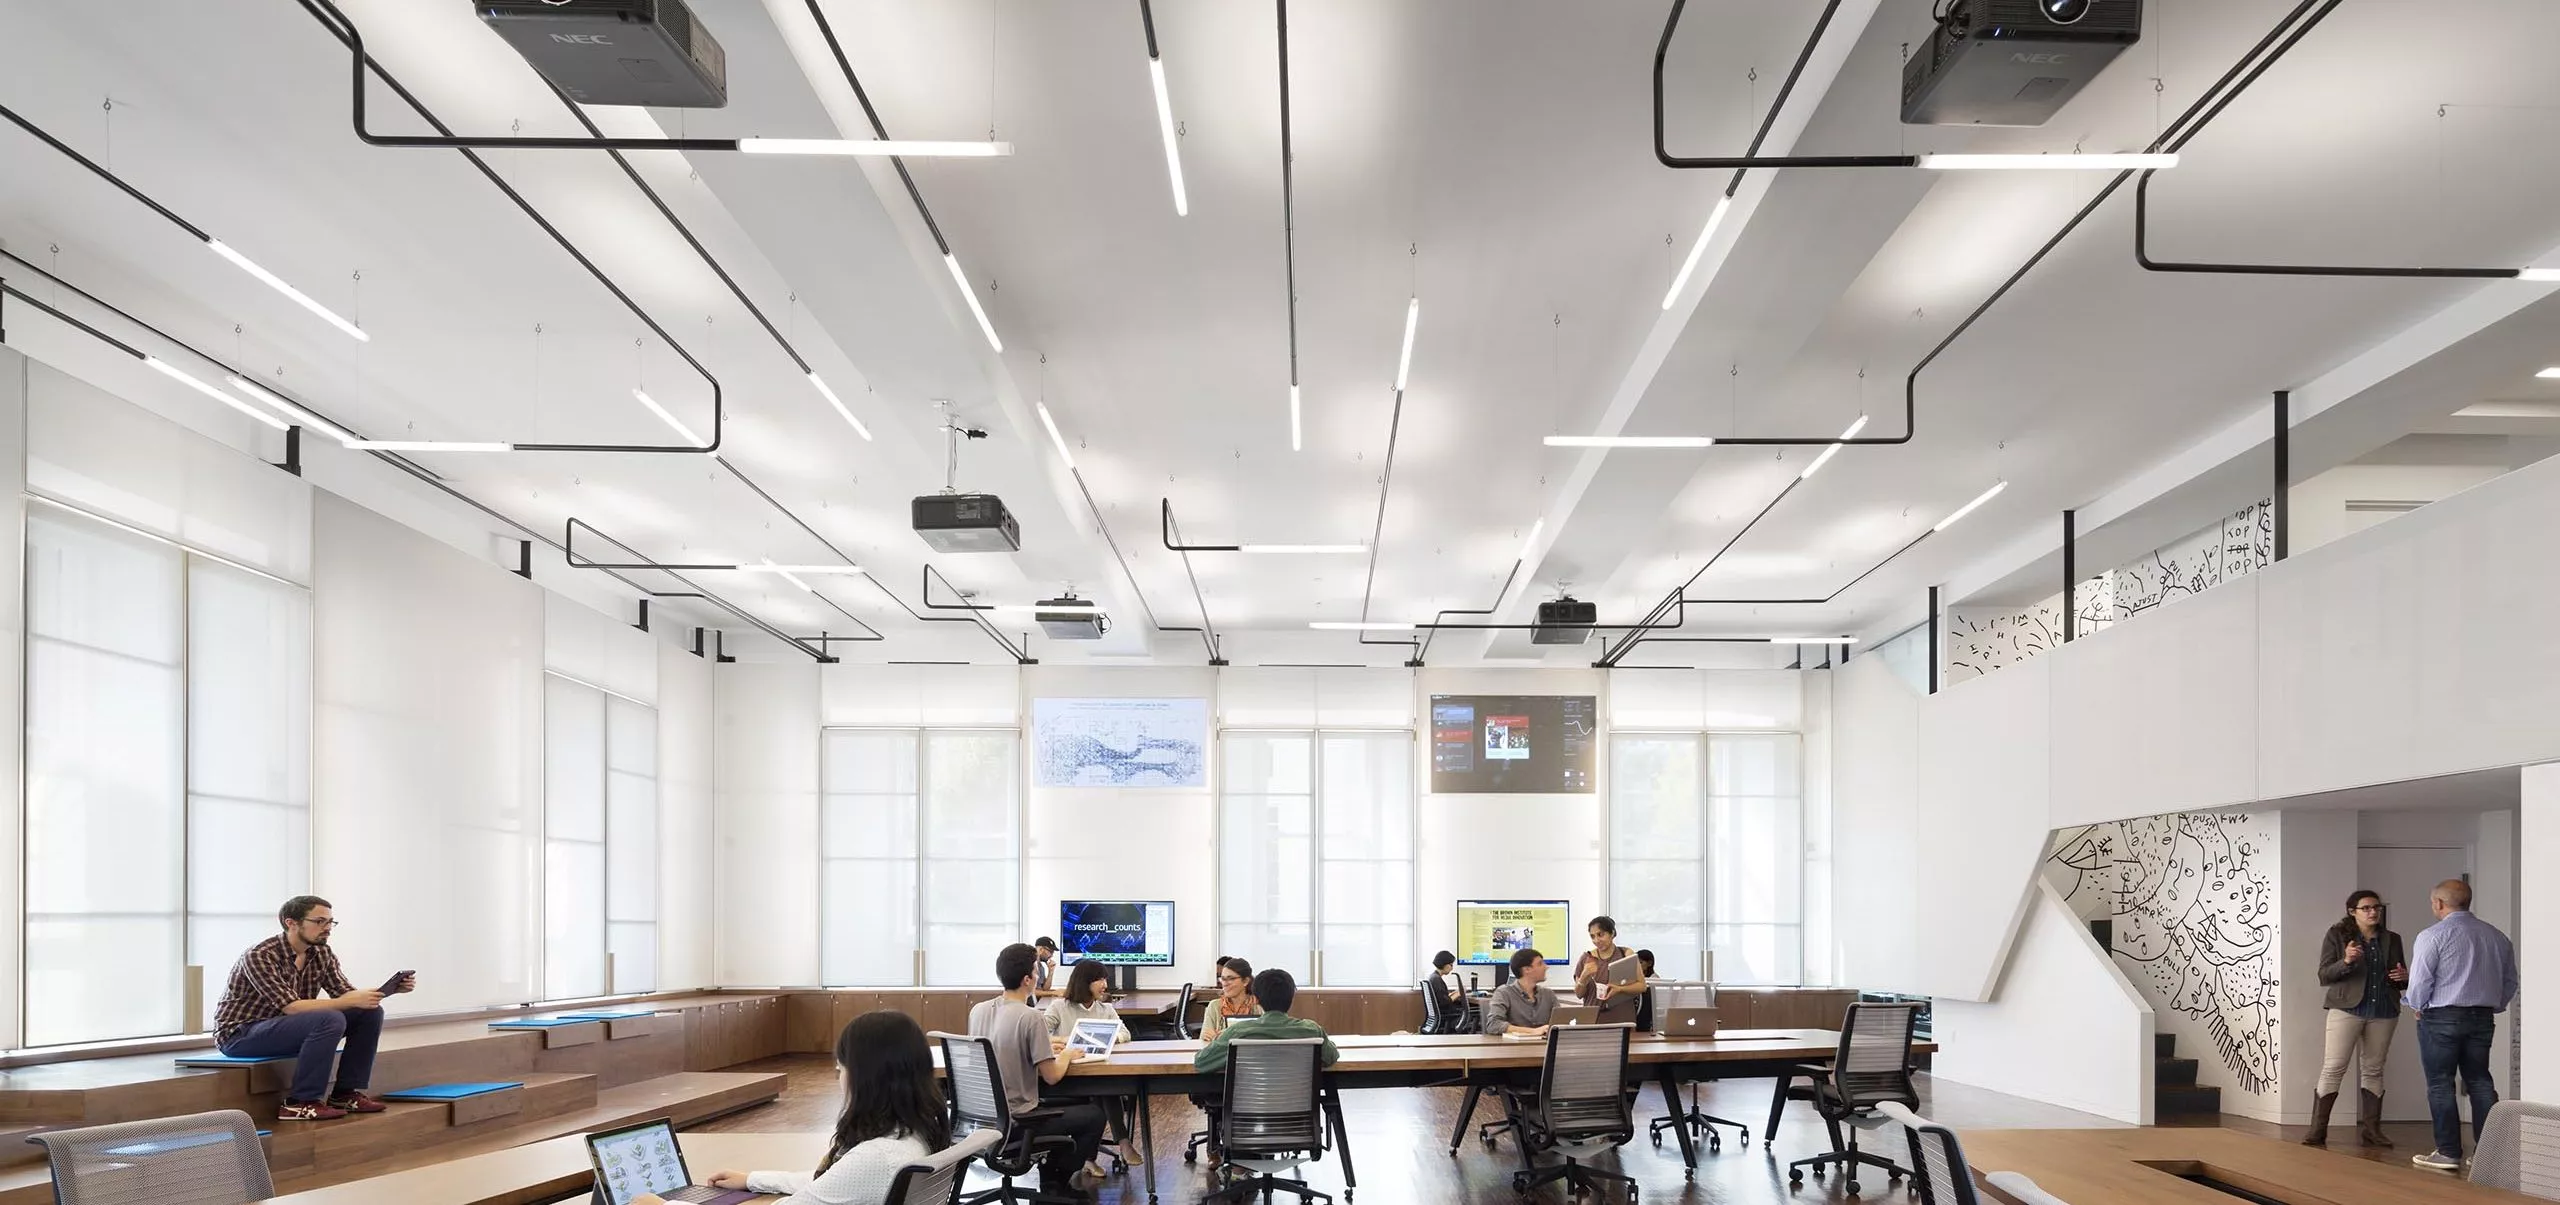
(199, 1159)
(1939, 1173)
(1580, 1107)
(1443, 1016)
(1273, 1119)
(978, 1103)
(936, 1179)
(2519, 1149)
(1171, 1026)
(1873, 1066)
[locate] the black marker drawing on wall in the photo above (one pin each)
(2193, 913)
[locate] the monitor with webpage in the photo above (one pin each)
(1490, 930)
(1117, 932)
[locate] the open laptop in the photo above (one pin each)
(1575, 1014)
(1686, 1023)
(645, 1159)
(1092, 1040)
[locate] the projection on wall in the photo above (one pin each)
(1120, 743)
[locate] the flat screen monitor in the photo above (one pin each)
(1514, 744)
(1136, 933)
(1489, 930)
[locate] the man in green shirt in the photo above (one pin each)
(1275, 990)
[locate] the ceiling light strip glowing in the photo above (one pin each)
(1968, 507)
(1532, 542)
(300, 298)
(1715, 218)
(683, 431)
(1302, 549)
(2538, 275)
(1055, 440)
(1172, 151)
(1833, 450)
(428, 445)
(787, 570)
(838, 403)
(1809, 639)
(1630, 441)
(2046, 163)
(962, 279)
(1296, 434)
(787, 575)
(158, 365)
(291, 411)
(1360, 627)
(2550, 374)
(881, 148)
(1404, 359)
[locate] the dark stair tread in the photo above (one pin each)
(2189, 1099)
(2175, 1073)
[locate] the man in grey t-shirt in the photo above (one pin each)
(1521, 1007)
(1026, 1059)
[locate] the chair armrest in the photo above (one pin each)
(1043, 1113)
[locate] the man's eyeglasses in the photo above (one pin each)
(327, 923)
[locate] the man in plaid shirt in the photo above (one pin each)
(274, 1008)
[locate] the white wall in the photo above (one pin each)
(1126, 843)
(1875, 819)
(427, 740)
(2158, 713)
(2316, 859)
(1982, 824)
(2319, 505)
(766, 753)
(2063, 1025)
(688, 841)
(1507, 847)
(2537, 1011)
(14, 370)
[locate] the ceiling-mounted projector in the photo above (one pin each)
(966, 523)
(2013, 62)
(616, 52)
(1070, 618)
(1566, 620)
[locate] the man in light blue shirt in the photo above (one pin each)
(2462, 973)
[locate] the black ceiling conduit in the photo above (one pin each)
(2207, 106)
(1209, 628)
(2142, 230)
(344, 30)
(575, 561)
(323, 10)
(1288, 206)
(398, 462)
(1752, 157)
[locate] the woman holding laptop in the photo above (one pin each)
(1607, 975)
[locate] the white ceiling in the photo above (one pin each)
(1488, 157)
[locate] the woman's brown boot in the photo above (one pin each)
(2369, 1119)
(2320, 1107)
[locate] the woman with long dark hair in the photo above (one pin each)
(893, 1116)
(1234, 1001)
(2365, 968)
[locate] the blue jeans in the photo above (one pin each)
(2450, 1040)
(311, 1038)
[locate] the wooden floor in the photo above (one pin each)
(1400, 1142)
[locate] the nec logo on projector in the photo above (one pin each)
(2037, 58)
(582, 39)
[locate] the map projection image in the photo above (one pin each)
(1120, 742)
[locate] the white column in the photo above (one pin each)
(2537, 936)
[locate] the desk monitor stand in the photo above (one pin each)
(1124, 979)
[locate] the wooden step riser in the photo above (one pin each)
(305, 1147)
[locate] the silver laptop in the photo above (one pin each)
(1686, 1023)
(1575, 1014)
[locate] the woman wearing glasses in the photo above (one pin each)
(2364, 966)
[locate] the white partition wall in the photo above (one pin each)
(767, 823)
(2063, 1025)
(427, 697)
(1875, 823)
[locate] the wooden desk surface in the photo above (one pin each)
(546, 1169)
(2112, 1167)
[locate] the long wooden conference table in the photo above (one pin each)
(1136, 1072)
(1139, 1071)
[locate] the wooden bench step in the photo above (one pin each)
(305, 1155)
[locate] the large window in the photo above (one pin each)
(921, 849)
(1316, 853)
(167, 772)
(1707, 849)
(600, 842)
